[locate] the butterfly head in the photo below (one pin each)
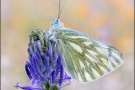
(55, 23)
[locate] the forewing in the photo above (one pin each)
(83, 56)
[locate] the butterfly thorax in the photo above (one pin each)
(55, 25)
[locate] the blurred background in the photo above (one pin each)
(111, 21)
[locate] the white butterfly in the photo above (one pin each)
(85, 58)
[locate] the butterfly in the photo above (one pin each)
(84, 57)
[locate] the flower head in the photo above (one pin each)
(44, 66)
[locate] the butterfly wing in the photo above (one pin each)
(115, 58)
(84, 57)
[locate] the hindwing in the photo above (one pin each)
(84, 57)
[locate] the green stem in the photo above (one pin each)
(48, 87)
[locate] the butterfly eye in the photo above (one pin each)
(54, 21)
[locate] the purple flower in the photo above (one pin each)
(44, 67)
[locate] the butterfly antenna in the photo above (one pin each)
(60, 8)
